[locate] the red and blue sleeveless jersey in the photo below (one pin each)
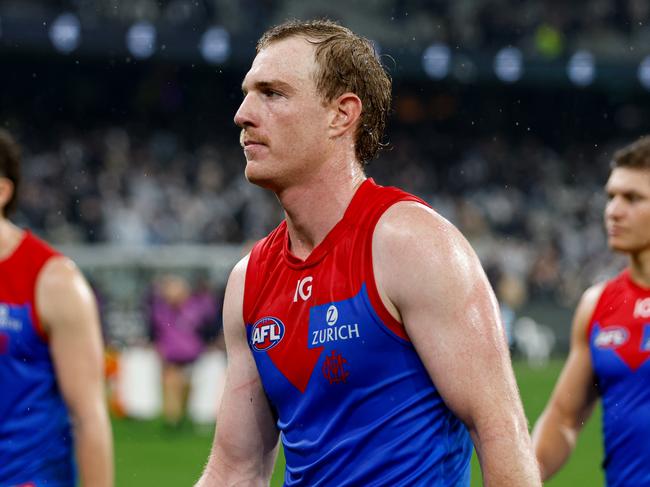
(619, 339)
(353, 401)
(35, 435)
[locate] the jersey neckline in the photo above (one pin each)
(26, 234)
(333, 236)
(631, 282)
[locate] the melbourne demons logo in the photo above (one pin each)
(334, 368)
(266, 334)
(612, 337)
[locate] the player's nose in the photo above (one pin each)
(614, 208)
(245, 113)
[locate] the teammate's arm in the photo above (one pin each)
(246, 438)
(68, 311)
(573, 398)
(431, 280)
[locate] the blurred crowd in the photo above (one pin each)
(532, 213)
(107, 186)
(547, 28)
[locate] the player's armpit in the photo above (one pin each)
(429, 276)
(67, 308)
(246, 438)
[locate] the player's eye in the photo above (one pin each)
(632, 197)
(270, 93)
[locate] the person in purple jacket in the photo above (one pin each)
(179, 320)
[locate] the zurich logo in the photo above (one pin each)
(332, 315)
(266, 334)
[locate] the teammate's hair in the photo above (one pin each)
(635, 155)
(346, 62)
(9, 167)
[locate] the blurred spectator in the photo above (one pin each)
(180, 319)
(511, 293)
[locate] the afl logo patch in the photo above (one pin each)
(612, 337)
(266, 334)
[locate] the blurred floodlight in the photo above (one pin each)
(644, 72)
(141, 39)
(215, 45)
(508, 64)
(435, 60)
(582, 68)
(65, 33)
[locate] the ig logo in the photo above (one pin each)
(303, 289)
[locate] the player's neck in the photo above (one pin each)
(315, 206)
(640, 268)
(10, 237)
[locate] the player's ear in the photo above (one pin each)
(346, 112)
(6, 192)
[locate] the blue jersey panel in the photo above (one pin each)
(370, 414)
(625, 394)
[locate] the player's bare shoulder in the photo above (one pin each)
(414, 248)
(60, 275)
(411, 230)
(57, 271)
(233, 305)
(63, 292)
(237, 276)
(585, 309)
(414, 223)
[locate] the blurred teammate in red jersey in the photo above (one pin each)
(610, 341)
(51, 364)
(363, 328)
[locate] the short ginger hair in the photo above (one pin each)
(346, 62)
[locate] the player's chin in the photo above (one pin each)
(257, 174)
(621, 245)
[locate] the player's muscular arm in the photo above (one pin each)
(245, 442)
(430, 279)
(68, 311)
(573, 398)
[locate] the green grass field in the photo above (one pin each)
(146, 455)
